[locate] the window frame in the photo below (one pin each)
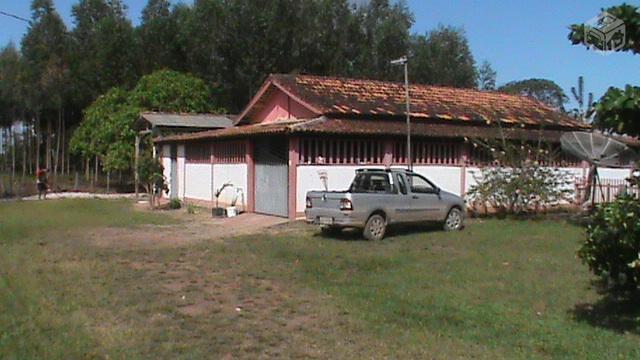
(433, 186)
(390, 188)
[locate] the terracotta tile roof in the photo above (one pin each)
(355, 98)
(361, 127)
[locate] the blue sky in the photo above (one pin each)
(521, 39)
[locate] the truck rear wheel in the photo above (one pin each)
(375, 228)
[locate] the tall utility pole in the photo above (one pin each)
(404, 61)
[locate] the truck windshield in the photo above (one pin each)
(370, 183)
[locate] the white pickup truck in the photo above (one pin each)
(381, 197)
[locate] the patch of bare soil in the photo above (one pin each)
(246, 314)
(191, 228)
(209, 296)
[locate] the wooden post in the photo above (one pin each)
(464, 159)
(136, 165)
(95, 178)
(293, 176)
(251, 177)
(388, 153)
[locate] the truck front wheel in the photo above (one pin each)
(454, 220)
(375, 228)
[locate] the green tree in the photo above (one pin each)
(11, 96)
(158, 36)
(618, 110)
(629, 14)
(45, 54)
(104, 51)
(385, 36)
(543, 90)
(486, 76)
(107, 130)
(171, 91)
(443, 57)
(10, 108)
(612, 248)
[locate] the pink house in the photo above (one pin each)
(299, 128)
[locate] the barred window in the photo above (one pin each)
(341, 151)
(552, 155)
(479, 156)
(198, 153)
(229, 152)
(428, 152)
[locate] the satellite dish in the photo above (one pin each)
(598, 150)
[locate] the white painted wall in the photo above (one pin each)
(198, 181)
(609, 173)
(339, 178)
(446, 177)
(181, 171)
(199, 186)
(165, 160)
(235, 174)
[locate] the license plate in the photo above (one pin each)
(324, 220)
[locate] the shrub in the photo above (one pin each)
(191, 209)
(520, 177)
(175, 204)
(612, 247)
(152, 178)
(527, 188)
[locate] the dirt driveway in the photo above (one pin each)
(187, 229)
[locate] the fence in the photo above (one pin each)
(606, 190)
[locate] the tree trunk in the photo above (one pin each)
(37, 154)
(30, 146)
(24, 150)
(13, 158)
(96, 172)
(86, 169)
(56, 160)
(63, 139)
(48, 151)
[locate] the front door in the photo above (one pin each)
(272, 176)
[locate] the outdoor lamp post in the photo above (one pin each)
(404, 61)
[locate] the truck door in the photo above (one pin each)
(425, 200)
(403, 205)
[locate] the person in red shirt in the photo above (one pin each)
(41, 183)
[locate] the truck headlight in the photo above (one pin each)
(346, 204)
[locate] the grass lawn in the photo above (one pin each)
(498, 289)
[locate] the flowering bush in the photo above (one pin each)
(612, 248)
(528, 188)
(520, 179)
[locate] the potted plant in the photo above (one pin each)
(218, 211)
